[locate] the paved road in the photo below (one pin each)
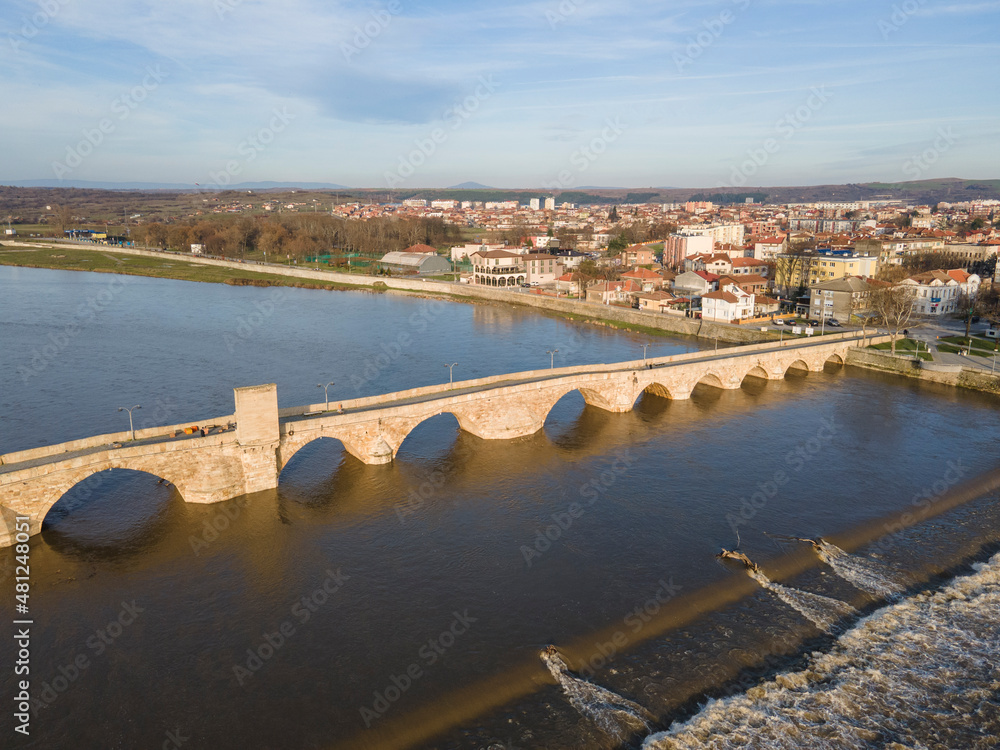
(929, 332)
(721, 354)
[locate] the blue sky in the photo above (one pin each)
(557, 93)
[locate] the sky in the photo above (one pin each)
(556, 94)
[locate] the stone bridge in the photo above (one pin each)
(215, 467)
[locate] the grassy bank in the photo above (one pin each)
(906, 346)
(105, 260)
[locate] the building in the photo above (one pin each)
(638, 255)
(717, 263)
(767, 248)
(938, 292)
(415, 263)
(795, 270)
(657, 302)
(542, 268)
(838, 299)
(550, 204)
(728, 306)
(571, 284)
(533, 204)
(570, 258)
(497, 268)
(612, 292)
(750, 283)
(462, 252)
(723, 234)
(679, 246)
(647, 280)
(749, 265)
(694, 283)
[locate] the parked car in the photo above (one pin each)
(833, 322)
(778, 322)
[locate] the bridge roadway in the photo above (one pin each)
(248, 459)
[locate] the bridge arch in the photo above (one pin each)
(757, 372)
(83, 491)
(430, 423)
(835, 359)
(799, 365)
(711, 380)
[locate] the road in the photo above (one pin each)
(457, 391)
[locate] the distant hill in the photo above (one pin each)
(90, 185)
(470, 186)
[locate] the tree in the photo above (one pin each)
(967, 308)
(617, 244)
(893, 307)
(64, 218)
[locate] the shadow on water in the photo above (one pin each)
(112, 514)
(571, 424)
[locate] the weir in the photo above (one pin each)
(215, 465)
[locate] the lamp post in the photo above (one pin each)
(644, 348)
(993, 369)
(451, 372)
(326, 393)
(130, 427)
(552, 358)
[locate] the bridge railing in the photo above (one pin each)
(549, 373)
(96, 441)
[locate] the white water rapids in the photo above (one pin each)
(822, 611)
(617, 716)
(920, 673)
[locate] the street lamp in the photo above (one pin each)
(451, 373)
(326, 393)
(552, 358)
(644, 348)
(130, 427)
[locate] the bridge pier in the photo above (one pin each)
(258, 436)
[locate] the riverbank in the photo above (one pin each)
(73, 257)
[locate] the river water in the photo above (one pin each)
(408, 605)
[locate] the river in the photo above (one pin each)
(407, 605)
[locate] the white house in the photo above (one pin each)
(937, 292)
(727, 306)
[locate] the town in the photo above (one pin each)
(816, 264)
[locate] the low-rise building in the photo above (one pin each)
(542, 268)
(612, 292)
(656, 301)
(415, 263)
(838, 299)
(648, 280)
(938, 292)
(497, 268)
(637, 255)
(727, 306)
(694, 283)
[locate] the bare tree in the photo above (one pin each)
(893, 306)
(968, 307)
